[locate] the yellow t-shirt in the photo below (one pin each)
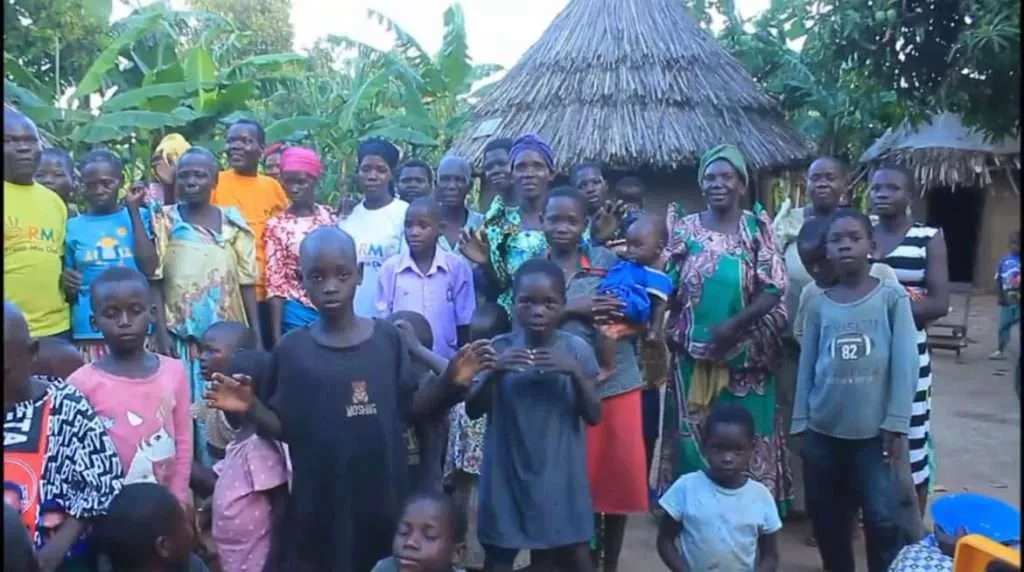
(35, 219)
(258, 199)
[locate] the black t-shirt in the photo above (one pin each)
(342, 414)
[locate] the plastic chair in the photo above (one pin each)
(974, 553)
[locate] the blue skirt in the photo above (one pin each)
(296, 315)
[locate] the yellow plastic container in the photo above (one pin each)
(975, 552)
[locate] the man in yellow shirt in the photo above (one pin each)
(256, 196)
(34, 223)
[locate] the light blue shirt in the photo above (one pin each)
(721, 526)
(92, 244)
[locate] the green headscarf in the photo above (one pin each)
(724, 152)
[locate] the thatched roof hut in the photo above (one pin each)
(634, 84)
(945, 153)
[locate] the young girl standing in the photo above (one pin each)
(142, 398)
(105, 235)
(534, 493)
(855, 385)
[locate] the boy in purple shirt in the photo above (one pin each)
(429, 281)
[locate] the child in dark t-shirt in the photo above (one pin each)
(534, 493)
(340, 393)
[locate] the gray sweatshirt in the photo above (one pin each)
(858, 365)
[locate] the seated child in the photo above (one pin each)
(251, 491)
(721, 518)
(425, 440)
(641, 286)
(537, 398)
(429, 537)
(146, 528)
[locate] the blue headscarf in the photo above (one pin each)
(531, 142)
(379, 147)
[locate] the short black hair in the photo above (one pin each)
(541, 266)
(62, 156)
(656, 223)
(843, 168)
(729, 414)
(19, 554)
(102, 156)
(580, 167)
(254, 363)
(115, 275)
(813, 232)
(429, 203)
(850, 212)
(416, 164)
(456, 518)
(238, 330)
(261, 135)
(566, 192)
(419, 324)
(630, 181)
(499, 144)
(495, 320)
(908, 175)
(200, 151)
(139, 515)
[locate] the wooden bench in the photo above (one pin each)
(950, 332)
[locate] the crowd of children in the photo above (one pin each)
(244, 374)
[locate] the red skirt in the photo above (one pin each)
(616, 464)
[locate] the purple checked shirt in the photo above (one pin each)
(444, 295)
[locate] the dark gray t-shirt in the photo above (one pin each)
(534, 492)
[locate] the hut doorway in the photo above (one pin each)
(958, 214)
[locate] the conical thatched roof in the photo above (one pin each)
(633, 83)
(945, 153)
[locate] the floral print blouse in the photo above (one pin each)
(281, 239)
(510, 246)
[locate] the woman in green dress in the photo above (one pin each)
(725, 326)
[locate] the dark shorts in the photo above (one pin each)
(498, 556)
(263, 311)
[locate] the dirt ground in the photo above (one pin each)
(975, 424)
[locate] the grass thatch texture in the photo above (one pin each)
(633, 83)
(953, 168)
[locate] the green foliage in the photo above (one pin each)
(865, 65)
(266, 23)
(56, 40)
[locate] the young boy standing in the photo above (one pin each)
(428, 280)
(1008, 281)
(340, 394)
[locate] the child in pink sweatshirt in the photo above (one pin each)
(141, 398)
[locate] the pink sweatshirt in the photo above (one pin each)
(147, 419)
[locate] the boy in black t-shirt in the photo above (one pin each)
(340, 393)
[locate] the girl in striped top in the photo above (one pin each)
(918, 255)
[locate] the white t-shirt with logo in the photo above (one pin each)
(379, 235)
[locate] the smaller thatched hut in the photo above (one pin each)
(969, 186)
(638, 86)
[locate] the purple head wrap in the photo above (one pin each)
(531, 142)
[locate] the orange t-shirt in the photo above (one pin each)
(257, 198)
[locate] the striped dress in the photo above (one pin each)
(909, 259)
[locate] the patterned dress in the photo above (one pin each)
(282, 237)
(910, 261)
(203, 273)
(510, 245)
(720, 274)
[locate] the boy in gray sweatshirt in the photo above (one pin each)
(855, 386)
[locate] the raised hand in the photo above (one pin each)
(471, 360)
(606, 221)
(136, 196)
(230, 394)
(474, 246)
(164, 171)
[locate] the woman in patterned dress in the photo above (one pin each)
(511, 235)
(208, 255)
(290, 307)
(918, 255)
(725, 329)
